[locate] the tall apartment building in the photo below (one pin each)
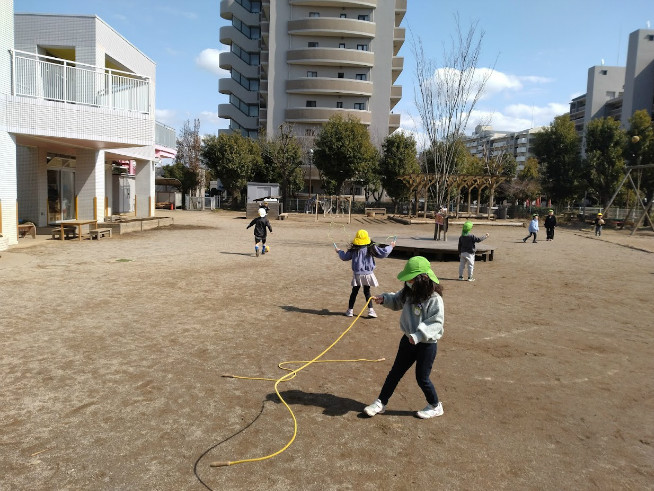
(487, 142)
(302, 61)
(615, 91)
(78, 138)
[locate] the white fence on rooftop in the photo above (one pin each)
(56, 79)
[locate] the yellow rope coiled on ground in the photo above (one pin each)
(290, 376)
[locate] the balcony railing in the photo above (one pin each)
(56, 79)
(164, 135)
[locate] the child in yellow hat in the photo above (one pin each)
(362, 253)
(599, 222)
(421, 322)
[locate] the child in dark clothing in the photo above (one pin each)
(467, 250)
(550, 223)
(261, 227)
(362, 253)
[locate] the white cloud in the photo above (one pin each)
(208, 60)
(179, 13)
(166, 116)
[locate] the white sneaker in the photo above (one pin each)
(372, 313)
(430, 411)
(349, 313)
(375, 408)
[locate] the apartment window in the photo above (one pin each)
(343, 16)
(313, 44)
(650, 37)
(341, 45)
(309, 132)
(339, 105)
(341, 75)
(312, 74)
(361, 76)
(314, 14)
(610, 94)
(604, 72)
(311, 103)
(364, 17)
(362, 47)
(361, 106)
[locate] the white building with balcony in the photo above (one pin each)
(78, 138)
(302, 61)
(486, 142)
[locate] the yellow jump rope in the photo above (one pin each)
(290, 376)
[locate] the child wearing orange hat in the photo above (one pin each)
(362, 252)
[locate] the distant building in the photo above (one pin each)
(78, 138)
(617, 92)
(486, 141)
(303, 61)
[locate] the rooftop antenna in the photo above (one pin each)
(602, 61)
(648, 24)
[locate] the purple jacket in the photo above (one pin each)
(363, 257)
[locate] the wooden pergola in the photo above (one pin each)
(420, 184)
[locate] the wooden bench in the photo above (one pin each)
(98, 233)
(69, 231)
(371, 212)
(27, 228)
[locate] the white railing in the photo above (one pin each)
(165, 135)
(56, 79)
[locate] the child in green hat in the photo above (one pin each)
(467, 250)
(421, 322)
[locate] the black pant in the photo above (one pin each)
(423, 355)
(550, 233)
(355, 292)
(530, 234)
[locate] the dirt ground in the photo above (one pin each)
(113, 353)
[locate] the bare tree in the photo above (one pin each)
(445, 97)
(189, 152)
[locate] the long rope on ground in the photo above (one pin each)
(290, 376)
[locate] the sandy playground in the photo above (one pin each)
(113, 351)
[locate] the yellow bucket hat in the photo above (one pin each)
(361, 238)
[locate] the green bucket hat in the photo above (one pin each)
(467, 227)
(415, 266)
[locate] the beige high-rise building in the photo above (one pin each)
(302, 61)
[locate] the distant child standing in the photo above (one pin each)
(533, 228)
(261, 227)
(550, 223)
(421, 322)
(467, 249)
(362, 253)
(599, 222)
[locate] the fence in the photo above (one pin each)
(56, 79)
(200, 203)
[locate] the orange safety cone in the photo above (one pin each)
(172, 207)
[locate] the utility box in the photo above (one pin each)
(258, 192)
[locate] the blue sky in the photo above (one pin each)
(541, 50)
